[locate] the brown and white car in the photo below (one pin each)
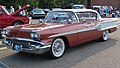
(59, 30)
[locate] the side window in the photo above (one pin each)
(87, 17)
(0, 10)
(72, 18)
(62, 17)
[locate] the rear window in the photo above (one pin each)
(38, 11)
(87, 16)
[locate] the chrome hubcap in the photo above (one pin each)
(105, 35)
(57, 48)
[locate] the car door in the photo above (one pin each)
(86, 28)
(3, 18)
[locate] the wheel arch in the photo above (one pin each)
(65, 39)
(18, 21)
(109, 31)
(112, 30)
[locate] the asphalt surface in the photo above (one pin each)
(2, 65)
(94, 54)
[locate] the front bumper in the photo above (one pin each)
(26, 45)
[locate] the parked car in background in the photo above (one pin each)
(73, 6)
(96, 7)
(116, 13)
(37, 13)
(53, 9)
(46, 10)
(13, 19)
(59, 30)
(78, 6)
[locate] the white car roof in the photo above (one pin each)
(96, 6)
(78, 10)
(78, 5)
(56, 9)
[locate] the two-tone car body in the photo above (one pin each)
(59, 30)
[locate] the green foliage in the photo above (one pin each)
(39, 3)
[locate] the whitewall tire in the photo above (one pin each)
(105, 35)
(57, 48)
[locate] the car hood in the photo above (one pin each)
(38, 27)
(24, 7)
(23, 31)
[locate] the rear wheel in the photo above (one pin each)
(17, 23)
(57, 48)
(105, 35)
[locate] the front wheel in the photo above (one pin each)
(17, 23)
(105, 35)
(57, 48)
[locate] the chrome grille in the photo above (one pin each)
(18, 42)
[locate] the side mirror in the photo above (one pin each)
(40, 20)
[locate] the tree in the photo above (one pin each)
(39, 3)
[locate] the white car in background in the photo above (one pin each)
(53, 9)
(78, 6)
(35, 13)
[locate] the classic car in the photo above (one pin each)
(59, 30)
(35, 13)
(12, 19)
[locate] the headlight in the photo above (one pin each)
(35, 36)
(5, 32)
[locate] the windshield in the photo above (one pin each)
(60, 17)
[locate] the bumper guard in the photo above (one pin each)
(26, 45)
